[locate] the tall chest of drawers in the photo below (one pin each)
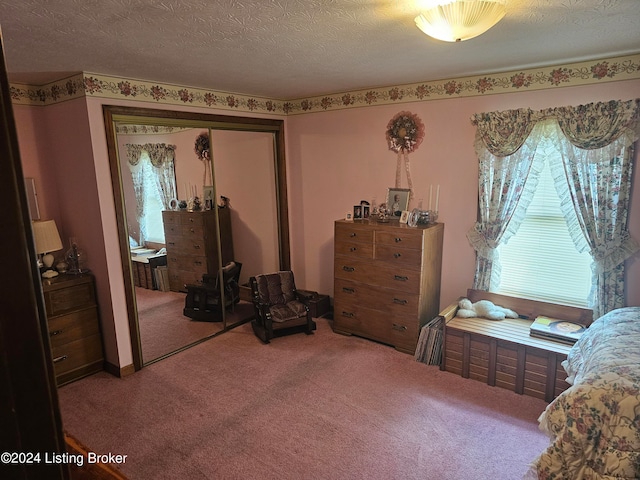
(386, 280)
(191, 240)
(74, 329)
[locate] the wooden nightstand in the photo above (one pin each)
(74, 328)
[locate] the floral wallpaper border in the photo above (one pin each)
(96, 85)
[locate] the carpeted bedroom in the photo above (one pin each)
(304, 406)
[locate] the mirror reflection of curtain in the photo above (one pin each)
(151, 164)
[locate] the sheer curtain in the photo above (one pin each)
(161, 157)
(506, 162)
(594, 181)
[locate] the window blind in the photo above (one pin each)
(540, 261)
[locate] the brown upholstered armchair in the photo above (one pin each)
(204, 302)
(279, 308)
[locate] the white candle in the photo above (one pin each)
(430, 195)
(437, 197)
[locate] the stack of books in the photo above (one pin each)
(429, 348)
(556, 329)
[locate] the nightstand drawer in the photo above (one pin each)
(79, 353)
(74, 326)
(61, 301)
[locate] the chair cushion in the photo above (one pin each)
(276, 288)
(290, 311)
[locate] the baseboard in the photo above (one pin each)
(119, 371)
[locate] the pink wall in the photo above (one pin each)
(338, 158)
(334, 159)
(252, 196)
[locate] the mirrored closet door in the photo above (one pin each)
(239, 228)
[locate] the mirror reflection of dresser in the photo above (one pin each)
(192, 245)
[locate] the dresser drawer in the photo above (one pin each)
(394, 302)
(63, 300)
(395, 255)
(352, 232)
(74, 326)
(401, 238)
(79, 353)
(172, 230)
(377, 325)
(170, 218)
(378, 273)
(192, 218)
(355, 249)
(185, 245)
(193, 232)
(189, 263)
(179, 278)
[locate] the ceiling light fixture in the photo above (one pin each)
(458, 20)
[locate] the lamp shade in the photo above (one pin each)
(46, 236)
(458, 20)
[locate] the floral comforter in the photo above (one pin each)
(595, 424)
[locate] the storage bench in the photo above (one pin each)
(502, 353)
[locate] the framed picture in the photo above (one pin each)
(348, 216)
(398, 201)
(357, 212)
(207, 197)
(365, 211)
(404, 217)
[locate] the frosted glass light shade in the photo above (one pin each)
(458, 20)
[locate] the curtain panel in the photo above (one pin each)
(162, 158)
(596, 145)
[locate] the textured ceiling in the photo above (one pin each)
(291, 49)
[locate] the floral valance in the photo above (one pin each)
(159, 153)
(590, 126)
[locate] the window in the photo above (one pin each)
(151, 220)
(540, 261)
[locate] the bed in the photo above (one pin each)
(594, 425)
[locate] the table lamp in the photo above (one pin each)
(47, 240)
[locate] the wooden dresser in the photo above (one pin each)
(191, 239)
(387, 280)
(502, 353)
(74, 328)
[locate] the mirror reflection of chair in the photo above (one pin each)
(279, 309)
(204, 302)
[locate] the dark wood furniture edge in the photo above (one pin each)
(89, 471)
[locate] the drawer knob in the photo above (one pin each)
(348, 314)
(348, 269)
(348, 290)
(353, 249)
(397, 255)
(400, 278)
(400, 328)
(59, 359)
(353, 234)
(398, 239)
(400, 301)
(54, 333)
(196, 246)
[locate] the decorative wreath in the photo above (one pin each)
(405, 132)
(202, 146)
